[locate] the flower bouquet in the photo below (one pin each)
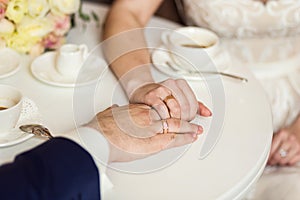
(31, 26)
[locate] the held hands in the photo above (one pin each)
(171, 99)
(136, 131)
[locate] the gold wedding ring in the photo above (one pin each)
(165, 126)
(168, 98)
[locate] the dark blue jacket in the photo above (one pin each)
(57, 169)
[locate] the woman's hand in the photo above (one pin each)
(285, 149)
(136, 131)
(171, 99)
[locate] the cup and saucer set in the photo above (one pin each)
(15, 110)
(71, 65)
(191, 53)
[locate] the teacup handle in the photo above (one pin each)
(84, 50)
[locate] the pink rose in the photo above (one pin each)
(4, 1)
(53, 41)
(2, 10)
(62, 23)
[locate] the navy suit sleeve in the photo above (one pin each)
(57, 169)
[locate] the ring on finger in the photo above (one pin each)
(165, 100)
(168, 98)
(165, 126)
(283, 153)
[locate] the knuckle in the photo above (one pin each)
(161, 110)
(281, 133)
(174, 123)
(151, 94)
(151, 101)
(169, 81)
(161, 89)
(175, 110)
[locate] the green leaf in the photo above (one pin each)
(95, 16)
(82, 15)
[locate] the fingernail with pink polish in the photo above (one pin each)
(209, 112)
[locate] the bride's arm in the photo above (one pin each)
(125, 45)
(126, 51)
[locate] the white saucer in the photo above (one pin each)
(29, 115)
(43, 68)
(14, 137)
(160, 56)
(10, 62)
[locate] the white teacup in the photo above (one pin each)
(10, 108)
(192, 48)
(69, 59)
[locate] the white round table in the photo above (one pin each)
(228, 172)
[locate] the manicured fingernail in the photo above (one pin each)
(200, 130)
(208, 112)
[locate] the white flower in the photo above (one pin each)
(64, 6)
(38, 8)
(6, 26)
(35, 27)
(16, 10)
(31, 26)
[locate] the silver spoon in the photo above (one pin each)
(245, 80)
(36, 129)
(196, 46)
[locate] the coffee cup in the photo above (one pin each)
(70, 58)
(191, 48)
(10, 108)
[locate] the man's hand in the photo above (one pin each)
(136, 131)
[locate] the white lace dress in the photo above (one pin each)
(265, 38)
